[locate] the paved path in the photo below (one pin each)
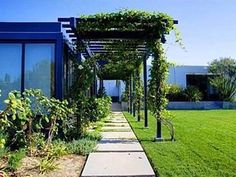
(118, 153)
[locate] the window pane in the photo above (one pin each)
(10, 69)
(39, 67)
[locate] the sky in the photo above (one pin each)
(208, 27)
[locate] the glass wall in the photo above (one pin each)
(38, 71)
(39, 67)
(10, 69)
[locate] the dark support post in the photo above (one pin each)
(95, 81)
(145, 91)
(159, 136)
(130, 96)
(134, 108)
(102, 84)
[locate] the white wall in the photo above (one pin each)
(177, 75)
(112, 87)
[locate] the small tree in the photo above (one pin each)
(224, 80)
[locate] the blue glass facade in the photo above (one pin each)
(31, 56)
(10, 69)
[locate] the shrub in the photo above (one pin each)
(82, 146)
(14, 160)
(32, 112)
(47, 164)
(37, 144)
(192, 93)
(58, 149)
(94, 135)
(175, 93)
(2, 140)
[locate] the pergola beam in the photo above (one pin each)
(126, 35)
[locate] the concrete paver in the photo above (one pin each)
(116, 121)
(118, 135)
(119, 153)
(103, 164)
(116, 129)
(119, 146)
(117, 124)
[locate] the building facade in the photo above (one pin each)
(34, 55)
(182, 76)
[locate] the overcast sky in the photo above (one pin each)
(208, 27)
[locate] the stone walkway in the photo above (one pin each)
(118, 153)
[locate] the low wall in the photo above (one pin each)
(201, 105)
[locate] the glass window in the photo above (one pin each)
(39, 67)
(10, 69)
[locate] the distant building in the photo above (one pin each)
(182, 76)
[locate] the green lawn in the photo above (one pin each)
(205, 144)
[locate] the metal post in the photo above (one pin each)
(145, 91)
(130, 95)
(159, 136)
(95, 81)
(134, 108)
(102, 84)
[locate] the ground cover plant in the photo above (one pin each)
(205, 144)
(38, 129)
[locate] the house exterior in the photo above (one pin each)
(34, 55)
(178, 75)
(37, 55)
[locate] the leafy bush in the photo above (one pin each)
(103, 107)
(58, 149)
(192, 93)
(224, 77)
(97, 108)
(47, 164)
(32, 112)
(226, 87)
(82, 146)
(175, 93)
(2, 140)
(14, 160)
(94, 135)
(37, 144)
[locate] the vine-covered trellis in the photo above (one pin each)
(120, 42)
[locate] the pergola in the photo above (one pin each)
(97, 42)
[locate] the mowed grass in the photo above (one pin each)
(205, 144)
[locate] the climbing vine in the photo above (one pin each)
(123, 61)
(138, 91)
(158, 87)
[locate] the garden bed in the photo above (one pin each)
(68, 165)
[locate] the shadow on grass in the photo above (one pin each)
(155, 141)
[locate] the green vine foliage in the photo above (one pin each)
(123, 61)
(78, 94)
(127, 20)
(138, 90)
(158, 87)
